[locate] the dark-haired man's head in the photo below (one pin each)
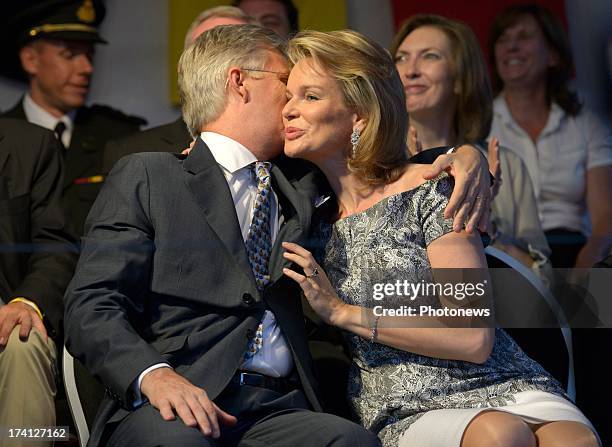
(281, 16)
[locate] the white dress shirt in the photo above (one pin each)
(35, 114)
(274, 358)
(557, 163)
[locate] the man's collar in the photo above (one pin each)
(37, 115)
(228, 153)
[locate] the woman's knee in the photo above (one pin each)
(566, 434)
(498, 429)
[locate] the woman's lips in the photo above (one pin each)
(292, 133)
(414, 89)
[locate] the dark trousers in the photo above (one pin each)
(265, 419)
(565, 245)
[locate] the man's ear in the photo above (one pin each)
(29, 57)
(235, 83)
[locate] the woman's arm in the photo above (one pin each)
(450, 251)
(599, 202)
(427, 335)
(515, 210)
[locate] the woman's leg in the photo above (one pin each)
(565, 434)
(498, 429)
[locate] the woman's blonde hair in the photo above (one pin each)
(474, 110)
(371, 86)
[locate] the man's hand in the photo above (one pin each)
(471, 196)
(170, 392)
(16, 313)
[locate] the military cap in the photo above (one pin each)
(26, 20)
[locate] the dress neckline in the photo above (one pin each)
(384, 200)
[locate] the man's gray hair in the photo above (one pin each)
(203, 67)
(230, 12)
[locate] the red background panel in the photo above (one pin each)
(478, 14)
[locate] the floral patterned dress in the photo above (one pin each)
(390, 389)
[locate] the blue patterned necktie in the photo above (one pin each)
(259, 241)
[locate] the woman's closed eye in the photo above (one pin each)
(311, 97)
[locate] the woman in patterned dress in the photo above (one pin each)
(419, 386)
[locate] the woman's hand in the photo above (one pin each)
(314, 283)
(186, 151)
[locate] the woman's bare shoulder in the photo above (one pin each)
(412, 177)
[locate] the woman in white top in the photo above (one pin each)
(567, 150)
(568, 153)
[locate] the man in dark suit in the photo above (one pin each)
(167, 308)
(37, 257)
(50, 45)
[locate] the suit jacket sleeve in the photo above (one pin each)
(51, 263)
(428, 156)
(106, 298)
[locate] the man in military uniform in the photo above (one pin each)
(37, 258)
(53, 48)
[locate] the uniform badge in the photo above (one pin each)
(86, 13)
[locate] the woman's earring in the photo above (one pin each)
(355, 141)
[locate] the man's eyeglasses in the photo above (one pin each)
(282, 76)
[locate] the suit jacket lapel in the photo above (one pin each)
(82, 156)
(210, 190)
(297, 211)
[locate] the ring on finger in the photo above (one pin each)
(314, 273)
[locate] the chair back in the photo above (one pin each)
(522, 301)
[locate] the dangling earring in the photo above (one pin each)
(355, 141)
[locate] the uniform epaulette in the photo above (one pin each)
(116, 114)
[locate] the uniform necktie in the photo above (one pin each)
(259, 240)
(59, 129)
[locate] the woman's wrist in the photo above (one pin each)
(342, 315)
